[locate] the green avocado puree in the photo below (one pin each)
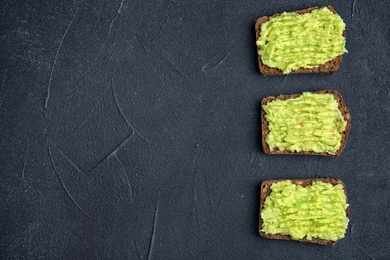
(310, 122)
(315, 211)
(291, 41)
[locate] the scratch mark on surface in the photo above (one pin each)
(126, 177)
(209, 193)
(99, 14)
(167, 19)
(163, 58)
(157, 34)
(22, 180)
(120, 7)
(56, 57)
(66, 157)
(137, 37)
(117, 13)
(350, 228)
(25, 162)
(92, 70)
(206, 66)
(194, 205)
(3, 82)
(82, 78)
(111, 153)
(136, 240)
(156, 211)
(172, 65)
(153, 236)
(223, 196)
(64, 187)
(2, 89)
(119, 108)
(170, 177)
(194, 198)
(253, 159)
(307, 169)
(353, 8)
(111, 25)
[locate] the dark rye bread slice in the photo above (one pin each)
(265, 192)
(344, 135)
(327, 68)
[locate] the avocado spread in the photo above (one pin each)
(291, 41)
(310, 122)
(315, 211)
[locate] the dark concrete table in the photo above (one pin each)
(130, 130)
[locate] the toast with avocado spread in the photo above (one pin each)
(305, 210)
(311, 123)
(304, 41)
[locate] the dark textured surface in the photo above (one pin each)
(131, 130)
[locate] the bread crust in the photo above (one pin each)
(265, 192)
(344, 135)
(327, 68)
